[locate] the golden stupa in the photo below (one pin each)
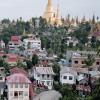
(52, 16)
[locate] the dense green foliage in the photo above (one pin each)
(35, 59)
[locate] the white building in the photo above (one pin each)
(18, 87)
(14, 45)
(68, 76)
(32, 43)
(2, 44)
(44, 75)
(15, 42)
(71, 41)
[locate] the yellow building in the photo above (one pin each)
(52, 16)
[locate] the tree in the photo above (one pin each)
(42, 24)
(93, 19)
(5, 21)
(5, 65)
(56, 69)
(89, 62)
(35, 59)
(67, 93)
(96, 92)
(93, 42)
(50, 52)
(82, 33)
(1, 62)
(29, 64)
(21, 65)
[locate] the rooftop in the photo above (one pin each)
(44, 70)
(18, 78)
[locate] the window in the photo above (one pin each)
(11, 93)
(97, 63)
(65, 77)
(38, 75)
(76, 62)
(11, 85)
(16, 85)
(70, 77)
(2, 69)
(25, 93)
(70, 61)
(16, 44)
(15, 94)
(20, 93)
(1, 78)
(43, 82)
(26, 85)
(48, 76)
(21, 85)
(83, 62)
(43, 76)
(48, 83)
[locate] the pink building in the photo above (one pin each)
(18, 87)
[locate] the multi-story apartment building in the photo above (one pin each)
(18, 87)
(44, 76)
(32, 43)
(78, 61)
(15, 42)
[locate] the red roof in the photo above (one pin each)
(12, 55)
(11, 60)
(18, 70)
(2, 54)
(18, 78)
(15, 38)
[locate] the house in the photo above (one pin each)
(12, 59)
(32, 43)
(15, 42)
(18, 87)
(63, 62)
(68, 76)
(2, 80)
(44, 76)
(83, 86)
(81, 73)
(18, 70)
(70, 41)
(79, 58)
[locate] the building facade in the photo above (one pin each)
(18, 87)
(44, 76)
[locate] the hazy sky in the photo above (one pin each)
(28, 8)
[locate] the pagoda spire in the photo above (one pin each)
(58, 17)
(49, 2)
(58, 12)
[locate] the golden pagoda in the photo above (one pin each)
(51, 15)
(58, 18)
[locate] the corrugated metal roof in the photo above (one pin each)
(44, 70)
(17, 78)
